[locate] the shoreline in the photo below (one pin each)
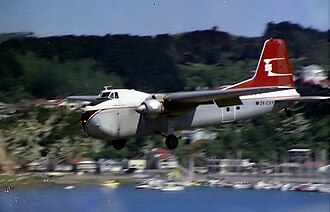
(40, 180)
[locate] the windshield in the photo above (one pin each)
(109, 95)
(104, 94)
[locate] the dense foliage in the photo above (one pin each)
(52, 67)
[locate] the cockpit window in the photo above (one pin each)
(105, 94)
(109, 95)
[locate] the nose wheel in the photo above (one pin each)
(171, 141)
(119, 144)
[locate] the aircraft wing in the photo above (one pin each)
(82, 98)
(214, 95)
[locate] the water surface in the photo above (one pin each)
(126, 198)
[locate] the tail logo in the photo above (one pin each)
(269, 68)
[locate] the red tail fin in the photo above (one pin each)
(273, 68)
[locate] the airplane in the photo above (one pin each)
(118, 114)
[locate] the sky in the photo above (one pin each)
(151, 17)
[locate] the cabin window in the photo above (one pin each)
(116, 95)
(257, 103)
(228, 109)
(238, 108)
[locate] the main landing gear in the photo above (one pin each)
(171, 141)
(119, 144)
(288, 112)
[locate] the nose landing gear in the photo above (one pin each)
(119, 144)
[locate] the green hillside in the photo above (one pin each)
(58, 66)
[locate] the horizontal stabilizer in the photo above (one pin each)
(305, 99)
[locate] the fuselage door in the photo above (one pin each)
(228, 114)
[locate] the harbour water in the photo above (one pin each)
(126, 198)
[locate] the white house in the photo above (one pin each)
(110, 165)
(161, 158)
(229, 165)
(190, 136)
(138, 164)
(313, 74)
(299, 155)
(87, 165)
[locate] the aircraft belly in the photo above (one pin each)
(126, 122)
(147, 126)
(203, 115)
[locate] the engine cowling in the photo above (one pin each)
(150, 108)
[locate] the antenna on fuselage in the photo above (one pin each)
(107, 87)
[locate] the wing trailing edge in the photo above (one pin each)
(213, 95)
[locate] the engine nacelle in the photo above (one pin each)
(150, 108)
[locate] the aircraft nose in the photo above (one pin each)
(85, 118)
(98, 124)
(91, 122)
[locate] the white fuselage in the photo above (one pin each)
(116, 118)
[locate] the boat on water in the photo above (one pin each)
(110, 184)
(242, 185)
(214, 183)
(261, 185)
(155, 184)
(227, 184)
(172, 187)
(192, 183)
(267, 185)
(325, 188)
(311, 187)
(143, 186)
(69, 187)
(286, 187)
(306, 187)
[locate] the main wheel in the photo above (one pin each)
(288, 112)
(171, 142)
(119, 144)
